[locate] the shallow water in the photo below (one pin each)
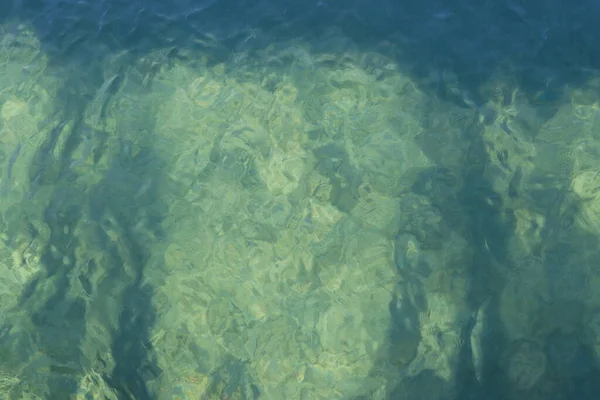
(299, 200)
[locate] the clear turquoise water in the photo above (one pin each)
(299, 200)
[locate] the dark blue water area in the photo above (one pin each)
(549, 45)
(543, 41)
